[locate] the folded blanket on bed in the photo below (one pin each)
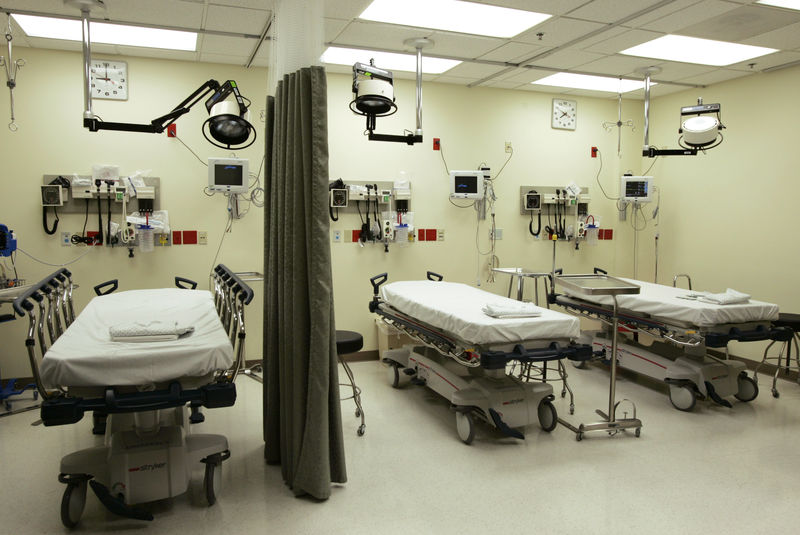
(511, 310)
(148, 331)
(729, 297)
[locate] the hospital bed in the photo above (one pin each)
(682, 328)
(463, 353)
(140, 358)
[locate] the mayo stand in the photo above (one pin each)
(599, 284)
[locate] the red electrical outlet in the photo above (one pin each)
(430, 234)
(594, 152)
(190, 237)
(177, 237)
(436, 144)
(172, 130)
(93, 235)
(609, 233)
(420, 234)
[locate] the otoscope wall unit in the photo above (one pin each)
(559, 210)
(82, 188)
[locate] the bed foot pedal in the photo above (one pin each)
(117, 505)
(409, 371)
(503, 427)
(714, 396)
(99, 420)
(419, 382)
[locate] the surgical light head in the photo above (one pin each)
(373, 91)
(228, 124)
(702, 129)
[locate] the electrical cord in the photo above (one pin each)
(47, 230)
(530, 225)
(510, 154)
(99, 240)
(46, 263)
(76, 239)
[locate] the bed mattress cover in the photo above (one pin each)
(668, 303)
(85, 355)
(456, 309)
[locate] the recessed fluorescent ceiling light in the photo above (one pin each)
(100, 32)
(694, 50)
(454, 16)
(386, 60)
(788, 4)
(593, 83)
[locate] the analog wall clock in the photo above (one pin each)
(565, 114)
(109, 79)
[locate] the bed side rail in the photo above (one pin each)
(231, 295)
(56, 291)
(497, 360)
(760, 333)
(69, 410)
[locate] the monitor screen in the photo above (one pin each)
(466, 184)
(636, 188)
(229, 175)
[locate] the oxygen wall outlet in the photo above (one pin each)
(65, 239)
(337, 236)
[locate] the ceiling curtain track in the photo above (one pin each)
(302, 419)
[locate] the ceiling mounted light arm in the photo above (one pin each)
(698, 132)
(374, 96)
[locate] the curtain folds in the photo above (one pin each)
(302, 421)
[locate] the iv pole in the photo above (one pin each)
(12, 66)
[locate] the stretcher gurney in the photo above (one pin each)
(138, 391)
(682, 329)
(463, 353)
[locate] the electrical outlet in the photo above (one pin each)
(202, 238)
(337, 236)
(508, 146)
(66, 238)
(440, 234)
(498, 234)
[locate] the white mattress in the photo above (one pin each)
(85, 355)
(665, 302)
(456, 309)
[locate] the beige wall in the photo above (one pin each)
(51, 140)
(726, 216)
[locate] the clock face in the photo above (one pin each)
(565, 114)
(109, 79)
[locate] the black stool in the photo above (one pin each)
(792, 322)
(349, 342)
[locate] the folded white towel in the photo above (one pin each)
(729, 297)
(148, 331)
(512, 310)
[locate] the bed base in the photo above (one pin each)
(678, 355)
(148, 452)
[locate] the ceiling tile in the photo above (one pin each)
(333, 27)
(252, 4)
(462, 45)
(673, 70)
(474, 70)
(553, 90)
(567, 59)
(526, 76)
(614, 65)
(741, 23)
(610, 10)
(378, 35)
(557, 32)
(172, 13)
(602, 36)
(714, 77)
(623, 41)
(682, 14)
(206, 57)
(765, 62)
(503, 84)
(513, 52)
(237, 20)
(785, 38)
(158, 53)
(594, 94)
(55, 7)
(57, 44)
(231, 46)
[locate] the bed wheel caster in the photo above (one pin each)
(638, 432)
(465, 426)
(572, 408)
(73, 501)
(213, 476)
(361, 430)
(358, 413)
(775, 393)
(579, 436)
(548, 417)
(748, 388)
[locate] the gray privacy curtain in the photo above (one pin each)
(302, 422)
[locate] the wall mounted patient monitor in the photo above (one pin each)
(636, 189)
(466, 184)
(228, 175)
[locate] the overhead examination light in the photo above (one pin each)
(700, 126)
(227, 126)
(373, 95)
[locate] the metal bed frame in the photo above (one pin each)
(48, 305)
(491, 361)
(684, 387)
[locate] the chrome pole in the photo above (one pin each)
(87, 58)
(419, 91)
